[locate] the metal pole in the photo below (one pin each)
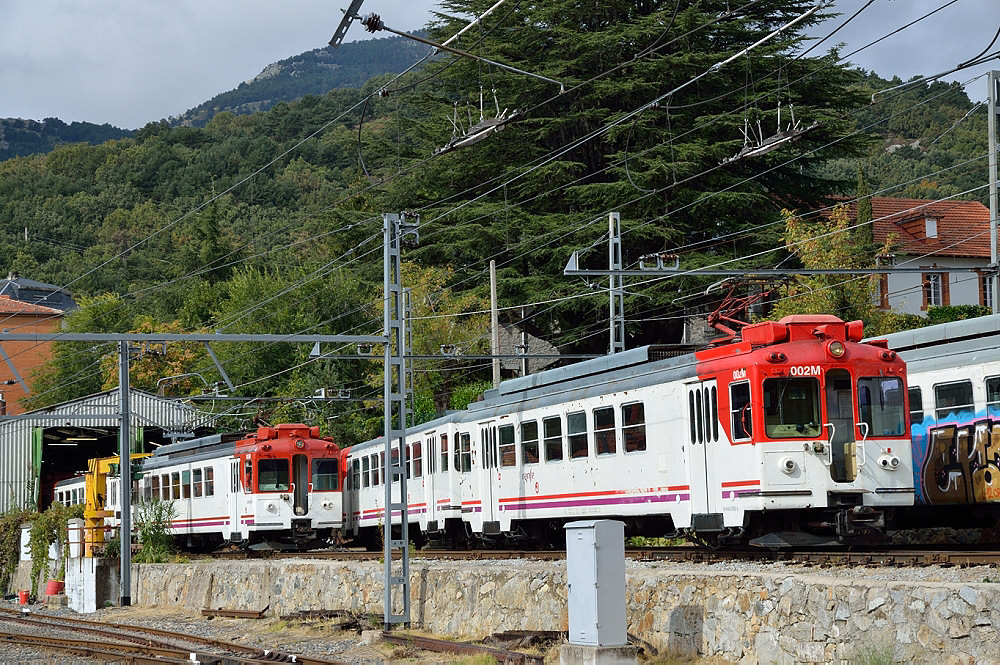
(615, 287)
(524, 343)
(394, 413)
(494, 325)
(994, 80)
(125, 476)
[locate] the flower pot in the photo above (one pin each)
(54, 587)
(22, 597)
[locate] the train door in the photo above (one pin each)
(487, 478)
(430, 482)
(840, 426)
(234, 500)
(300, 484)
(702, 440)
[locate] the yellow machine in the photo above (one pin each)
(98, 470)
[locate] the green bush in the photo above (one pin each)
(46, 528)
(153, 518)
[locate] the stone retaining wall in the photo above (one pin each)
(743, 617)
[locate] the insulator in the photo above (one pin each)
(373, 22)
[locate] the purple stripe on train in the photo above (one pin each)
(618, 500)
(735, 494)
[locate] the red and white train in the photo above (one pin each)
(796, 433)
(798, 427)
(274, 488)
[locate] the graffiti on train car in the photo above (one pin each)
(962, 463)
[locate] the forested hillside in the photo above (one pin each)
(27, 137)
(932, 142)
(272, 222)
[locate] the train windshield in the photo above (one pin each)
(880, 404)
(791, 407)
(272, 475)
(325, 474)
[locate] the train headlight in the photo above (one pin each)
(788, 465)
(300, 444)
(271, 508)
(285, 497)
(328, 505)
(836, 349)
(888, 462)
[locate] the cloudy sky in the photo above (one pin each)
(129, 62)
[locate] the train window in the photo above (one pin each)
(950, 398)
(444, 453)
(993, 396)
(209, 481)
(272, 475)
(576, 434)
(154, 487)
(418, 460)
(634, 427)
(196, 477)
(355, 477)
(699, 415)
(394, 464)
(604, 431)
(247, 475)
(880, 403)
(365, 472)
(529, 442)
(381, 465)
(715, 414)
(431, 454)
(186, 484)
(175, 480)
(407, 462)
(791, 407)
(691, 417)
(552, 431)
(375, 470)
(466, 458)
(741, 411)
(324, 474)
(508, 453)
(165, 487)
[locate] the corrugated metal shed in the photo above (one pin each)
(20, 462)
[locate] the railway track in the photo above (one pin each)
(909, 556)
(123, 642)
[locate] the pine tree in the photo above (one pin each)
(661, 167)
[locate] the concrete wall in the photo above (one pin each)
(745, 617)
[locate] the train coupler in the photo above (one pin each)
(859, 521)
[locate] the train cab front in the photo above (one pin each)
(828, 416)
(291, 478)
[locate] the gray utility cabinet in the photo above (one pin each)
(595, 572)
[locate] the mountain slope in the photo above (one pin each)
(311, 73)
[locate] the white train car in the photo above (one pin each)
(277, 488)
(798, 426)
(954, 398)
(71, 491)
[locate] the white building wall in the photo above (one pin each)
(906, 289)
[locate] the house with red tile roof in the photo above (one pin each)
(20, 360)
(939, 237)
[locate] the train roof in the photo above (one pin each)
(949, 344)
(75, 480)
(618, 372)
(194, 449)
